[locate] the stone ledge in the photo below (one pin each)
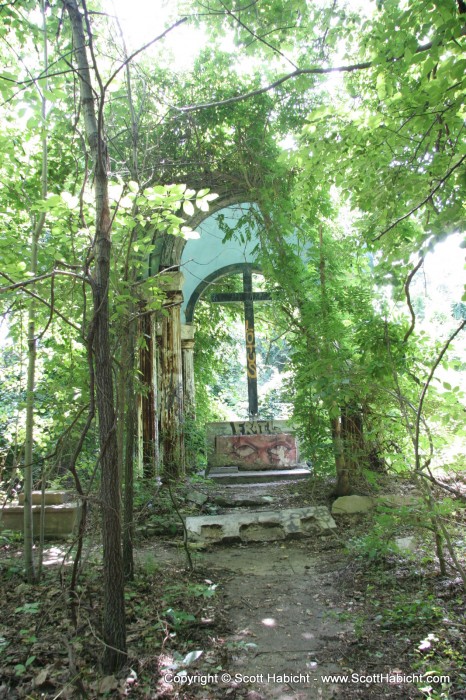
(261, 526)
(52, 498)
(232, 475)
(60, 520)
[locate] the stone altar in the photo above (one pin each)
(252, 445)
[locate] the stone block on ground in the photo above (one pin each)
(242, 501)
(352, 504)
(397, 500)
(197, 498)
(260, 526)
(406, 544)
(61, 520)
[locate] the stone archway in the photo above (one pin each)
(185, 269)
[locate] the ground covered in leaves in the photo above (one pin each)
(390, 612)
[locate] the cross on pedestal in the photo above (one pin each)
(248, 297)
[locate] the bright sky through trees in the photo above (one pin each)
(142, 20)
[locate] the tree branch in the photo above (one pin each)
(45, 303)
(352, 68)
(33, 280)
(256, 36)
(143, 48)
(445, 347)
(424, 201)
(408, 299)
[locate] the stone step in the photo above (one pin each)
(260, 526)
(52, 498)
(231, 475)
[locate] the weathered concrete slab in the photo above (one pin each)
(196, 497)
(243, 501)
(61, 520)
(232, 475)
(260, 526)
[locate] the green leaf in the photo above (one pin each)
(189, 234)
(202, 204)
(188, 207)
(191, 657)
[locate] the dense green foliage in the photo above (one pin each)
(374, 165)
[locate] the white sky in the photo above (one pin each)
(142, 20)
(447, 262)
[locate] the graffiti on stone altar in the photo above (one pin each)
(254, 427)
(251, 351)
(258, 451)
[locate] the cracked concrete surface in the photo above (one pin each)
(287, 633)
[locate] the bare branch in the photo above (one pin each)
(256, 36)
(45, 303)
(408, 299)
(271, 86)
(143, 48)
(33, 280)
(424, 201)
(456, 492)
(444, 349)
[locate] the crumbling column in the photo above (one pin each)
(147, 419)
(187, 348)
(187, 351)
(171, 381)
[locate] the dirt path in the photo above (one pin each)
(279, 602)
(279, 599)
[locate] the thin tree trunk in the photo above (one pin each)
(114, 629)
(146, 362)
(28, 447)
(352, 435)
(343, 487)
(84, 497)
(130, 425)
(32, 346)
